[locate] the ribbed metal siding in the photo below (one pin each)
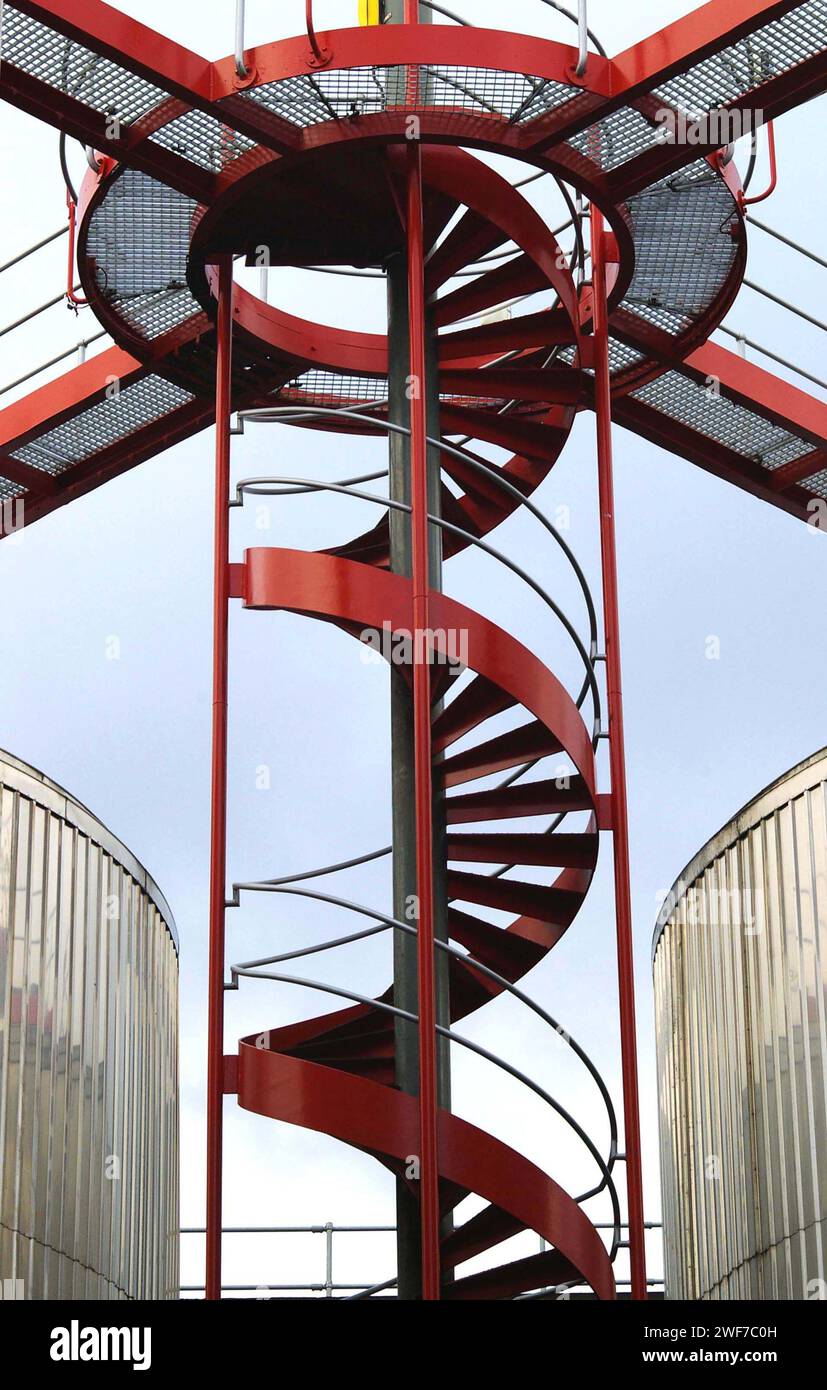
(739, 970)
(88, 1056)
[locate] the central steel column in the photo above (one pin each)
(401, 385)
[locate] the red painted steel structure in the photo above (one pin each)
(293, 126)
(601, 257)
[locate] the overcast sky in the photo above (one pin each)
(131, 737)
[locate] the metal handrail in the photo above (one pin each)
(388, 923)
(785, 304)
(38, 246)
(53, 361)
(269, 487)
(251, 969)
(33, 313)
(275, 413)
(779, 236)
(241, 69)
(774, 356)
(356, 1292)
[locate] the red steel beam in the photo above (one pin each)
(81, 122)
(218, 806)
(789, 89)
(771, 397)
(49, 405)
(799, 470)
(617, 755)
(423, 756)
(685, 42)
(649, 63)
(709, 454)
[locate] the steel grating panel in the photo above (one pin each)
(816, 484)
(728, 423)
(621, 357)
(348, 92)
(138, 239)
(724, 77)
(664, 319)
(684, 250)
(67, 66)
(103, 424)
(203, 140)
(489, 403)
(769, 52)
(616, 138)
(8, 491)
(318, 387)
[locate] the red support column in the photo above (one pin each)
(617, 757)
(218, 805)
(429, 1175)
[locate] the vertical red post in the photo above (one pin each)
(218, 796)
(617, 757)
(429, 1175)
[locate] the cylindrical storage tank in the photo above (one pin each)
(739, 965)
(88, 1056)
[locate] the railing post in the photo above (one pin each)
(328, 1277)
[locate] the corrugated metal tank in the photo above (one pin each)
(88, 1056)
(739, 966)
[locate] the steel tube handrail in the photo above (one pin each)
(53, 362)
(449, 14)
(275, 414)
(33, 313)
(774, 356)
(785, 304)
(289, 1230)
(779, 236)
(250, 970)
(325, 987)
(241, 68)
(38, 246)
(285, 413)
(311, 31)
(319, 485)
(582, 38)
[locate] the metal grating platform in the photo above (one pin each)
(67, 66)
(10, 490)
(772, 50)
(724, 77)
(717, 417)
(684, 246)
(348, 92)
(139, 239)
(203, 140)
(102, 425)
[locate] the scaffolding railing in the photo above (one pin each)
(328, 1287)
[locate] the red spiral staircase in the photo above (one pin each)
(346, 149)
